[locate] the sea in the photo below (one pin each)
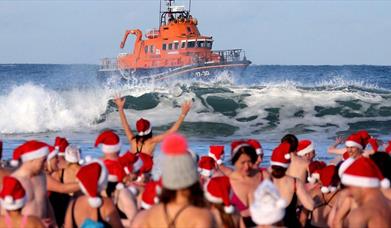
(42, 101)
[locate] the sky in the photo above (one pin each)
(271, 32)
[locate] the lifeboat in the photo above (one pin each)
(175, 49)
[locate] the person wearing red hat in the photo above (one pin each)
(291, 189)
(206, 168)
(13, 198)
(182, 202)
(60, 144)
(217, 191)
(325, 194)
(258, 149)
(32, 156)
(92, 178)
(121, 196)
(245, 178)
(144, 141)
(364, 180)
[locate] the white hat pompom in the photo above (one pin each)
(287, 156)
(95, 202)
(14, 163)
(324, 189)
(8, 199)
(385, 183)
(229, 209)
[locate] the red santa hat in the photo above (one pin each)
(61, 144)
(363, 172)
(29, 150)
(217, 190)
(256, 145)
(206, 166)
(326, 178)
(143, 164)
(150, 195)
(92, 179)
(355, 140)
(127, 160)
(313, 170)
(388, 148)
(217, 153)
(116, 172)
(110, 142)
(143, 127)
(13, 195)
(305, 146)
(236, 145)
(364, 135)
(280, 156)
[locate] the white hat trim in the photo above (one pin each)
(146, 132)
(235, 150)
(42, 152)
(353, 144)
(112, 178)
(14, 205)
(284, 165)
(52, 155)
(61, 154)
(206, 172)
(212, 198)
(145, 205)
(345, 165)
(111, 148)
(365, 182)
(306, 150)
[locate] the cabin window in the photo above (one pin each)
(209, 44)
(176, 46)
(183, 44)
(151, 48)
(146, 49)
(170, 46)
(201, 44)
(164, 47)
(191, 44)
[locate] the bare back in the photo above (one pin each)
(298, 168)
(324, 202)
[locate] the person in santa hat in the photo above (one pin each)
(13, 198)
(325, 194)
(244, 178)
(217, 192)
(60, 144)
(182, 202)
(31, 158)
(144, 141)
(364, 180)
(92, 206)
(298, 165)
(123, 199)
(291, 189)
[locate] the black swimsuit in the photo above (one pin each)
(100, 219)
(290, 219)
(171, 222)
(60, 203)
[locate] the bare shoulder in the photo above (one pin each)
(33, 221)
(358, 217)
(139, 219)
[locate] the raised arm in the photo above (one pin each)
(333, 148)
(120, 102)
(185, 109)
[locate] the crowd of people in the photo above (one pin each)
(53, 186)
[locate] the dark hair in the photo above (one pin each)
(249, 151)
(196, 195)
(292, 140)
(278, 171)
(383, 162)
(110, 189)
(143, 138)
(227, 219)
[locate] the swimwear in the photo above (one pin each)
(8, 221)
(60, 203)
(99, 216)
(171, 222)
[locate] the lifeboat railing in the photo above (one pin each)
(108, 64)
(231, 55)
